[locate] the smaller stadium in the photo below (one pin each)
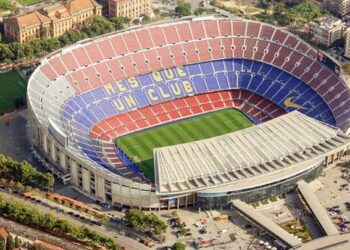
(196, 112)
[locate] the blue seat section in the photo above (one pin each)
(107, 108)
(244, 79)
(199, 84)
(212, 82)
(253, 119)
(223, 80)
(98, 93)
(91, 107)
(127, 161)
(219, 66)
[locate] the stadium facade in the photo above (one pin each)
(84, 96)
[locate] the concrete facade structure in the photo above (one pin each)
(337, 7)
(347, 44)
(129, 8)
(327, 30)
(51, 21)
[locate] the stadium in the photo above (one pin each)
(189, 113)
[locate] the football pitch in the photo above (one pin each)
(12, 90)
(139, 145)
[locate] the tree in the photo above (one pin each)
(104, 219)
(6, 5)
(27, 189)
(156, 12)
(29, 216)
(201, 10)
(28, 51)
(140, 221)
(99, 26)
(135, 218)
(49, 220)
(2, 245)
(12, 183)
(25, 173)
(146, 19)
(34, 247)
(50, 44)
(182, 231)
(183, 9)
(19, 186)
(64, 40)
(156, 225)
(6, 53)
(18, 50)
(120, 22)
(179, 246)
(36, 46)
(74, 36)
(65, 203)
(304, 12)
(17, 242)
(10, 244)
(48, 180)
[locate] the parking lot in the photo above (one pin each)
(204, 230)
(334, 194)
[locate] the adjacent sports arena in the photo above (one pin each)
(195, 112)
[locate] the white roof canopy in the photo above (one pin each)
(282, 142)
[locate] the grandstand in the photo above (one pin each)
(83, 97)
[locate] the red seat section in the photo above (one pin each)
(121, 124)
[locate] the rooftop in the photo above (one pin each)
(260, 150)
(328, 22)
(53, 12)
(3, 233)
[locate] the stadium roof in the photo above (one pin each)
(270, 147)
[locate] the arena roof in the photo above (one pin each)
(275, 145)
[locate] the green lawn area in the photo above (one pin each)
(6, 5)
(139, 146)
(297, 228)
(28, 2)
(12, 88)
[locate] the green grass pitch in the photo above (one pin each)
(12, 87)
(139, 146)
